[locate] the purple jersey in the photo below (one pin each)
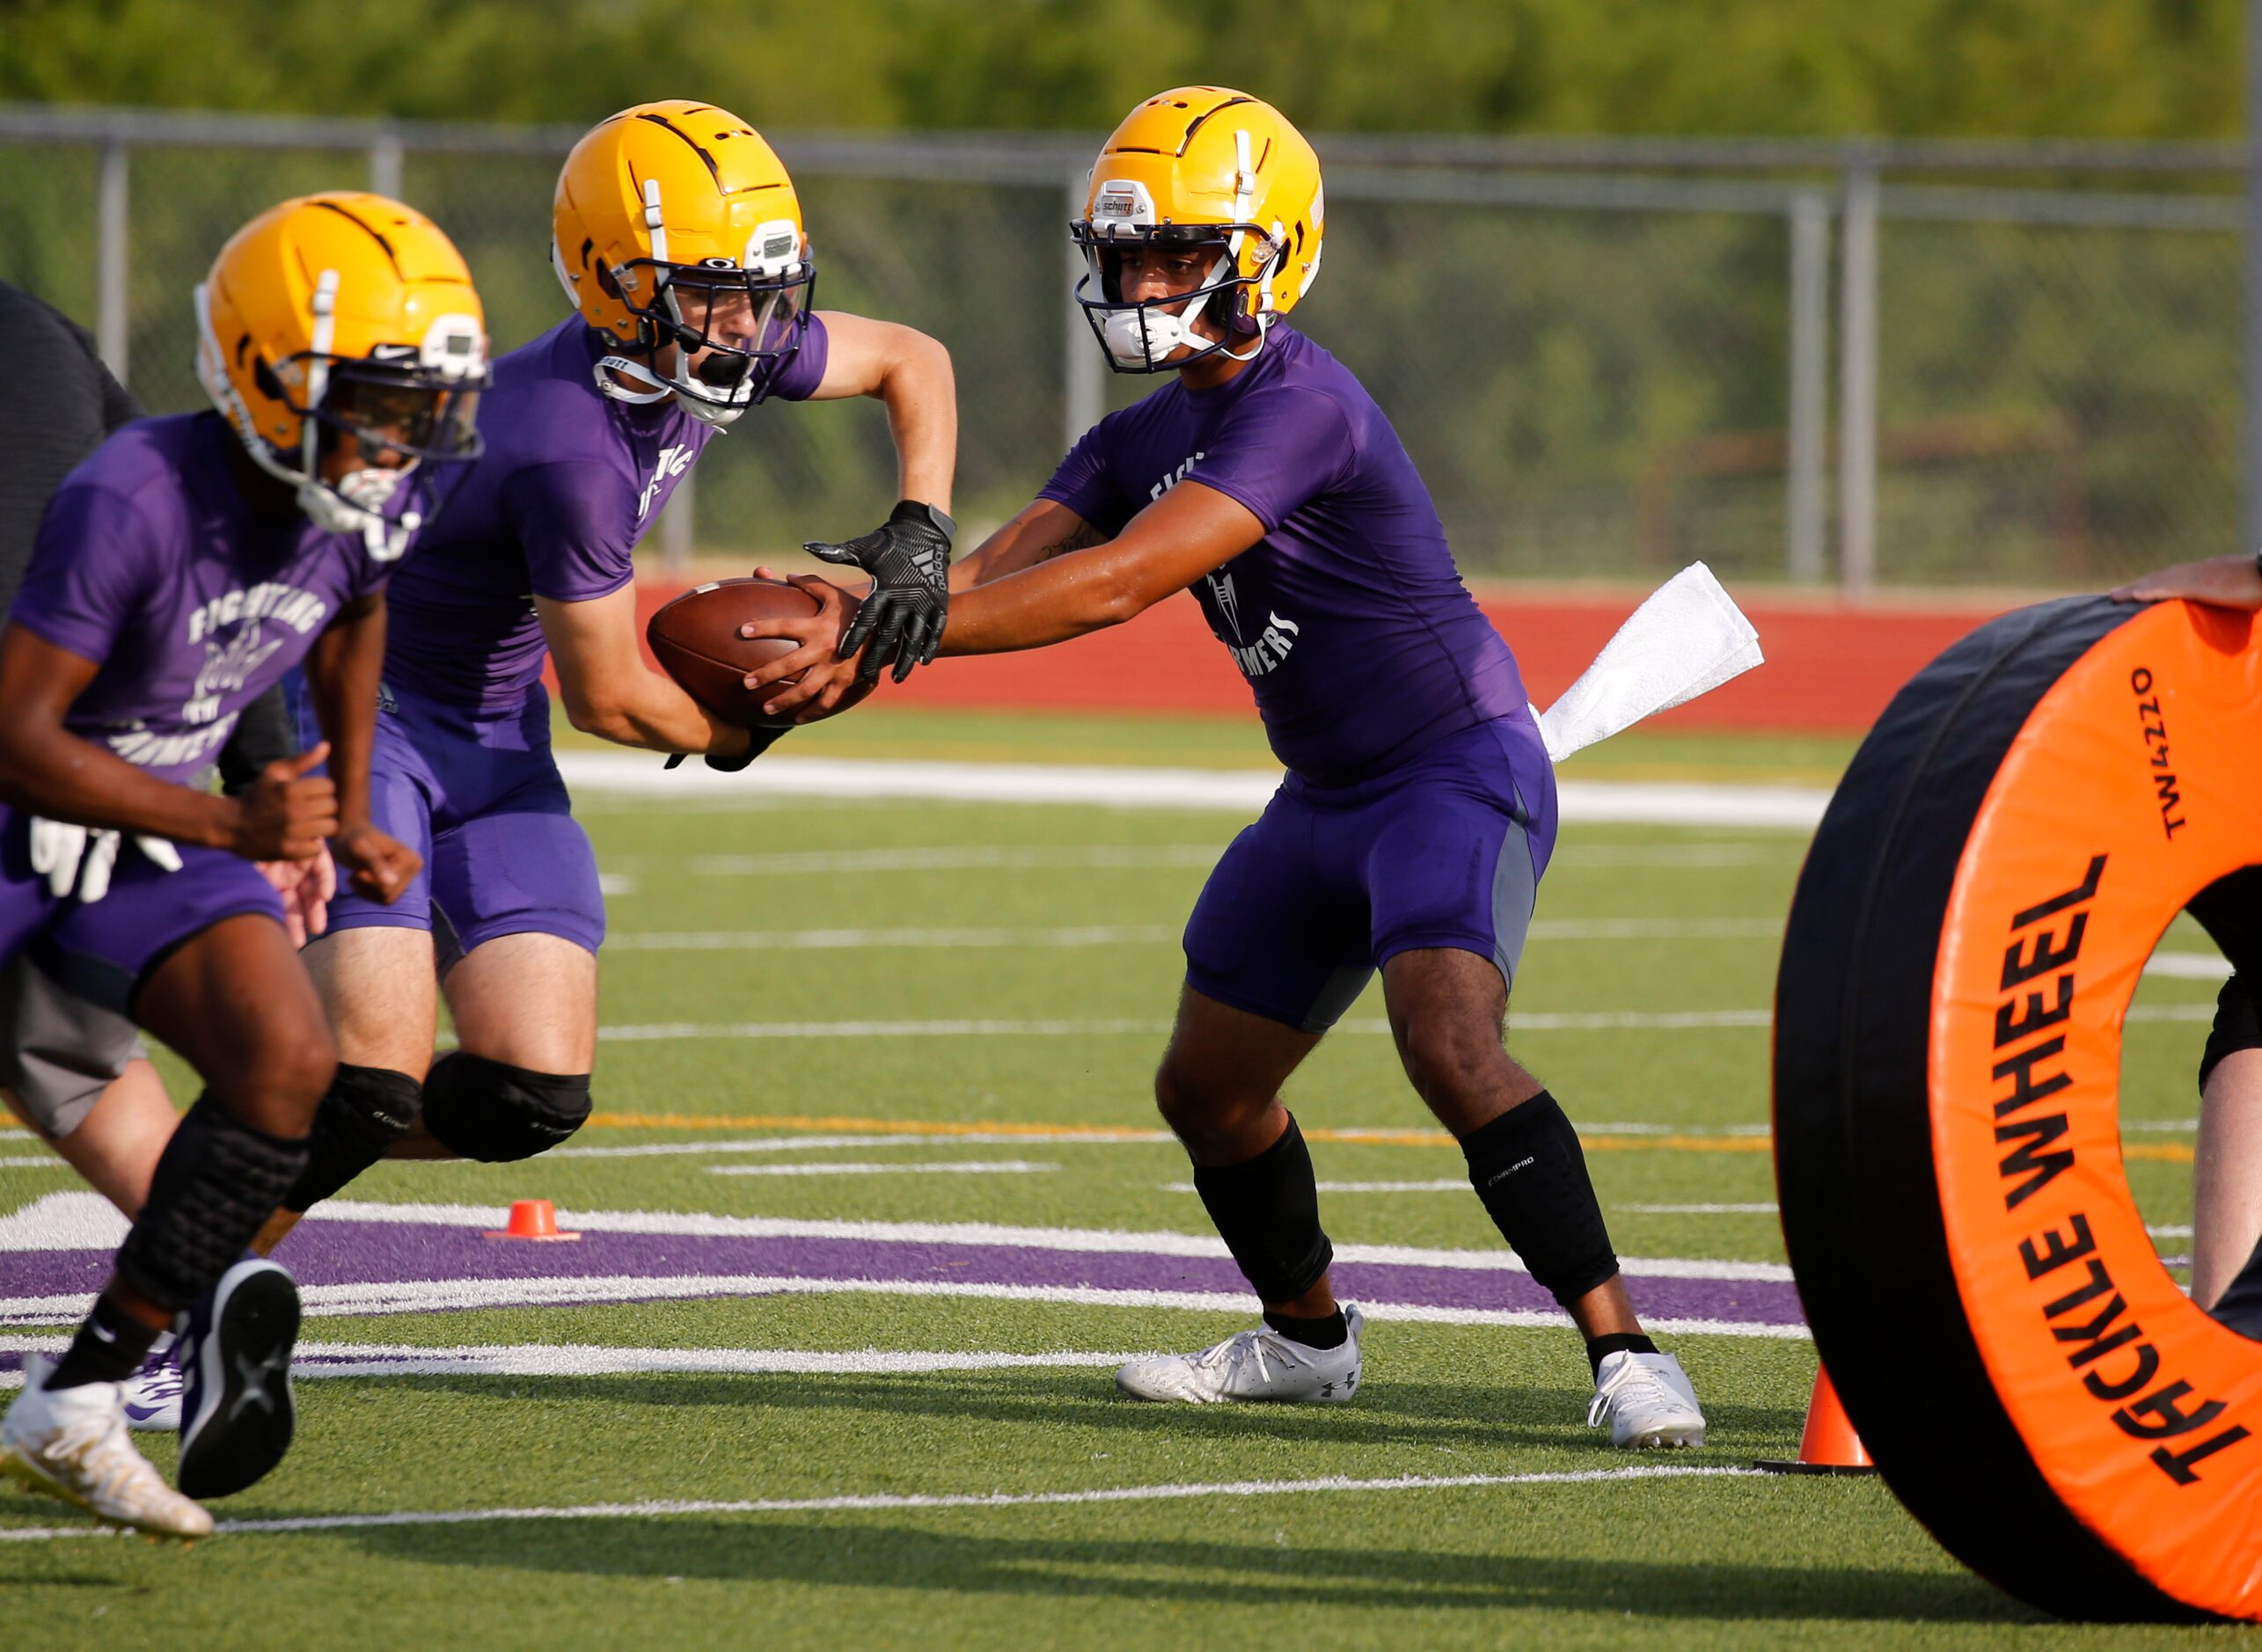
(150, 563)
(570, 481)
(1349, 617)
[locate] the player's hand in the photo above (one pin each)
(2232, 581)
(908, 556)
(379, 866)
(828, 675)
(306, 887)
(287, 812)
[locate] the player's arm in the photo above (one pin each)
(908, 556)
(48, 771)
(344, 675)
(2231, 581)
(1045, 528)
(611, 694)
(910, 374)
(1188, 532)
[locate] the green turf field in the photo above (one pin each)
(934, 1015)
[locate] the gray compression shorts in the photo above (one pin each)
(58, 1053)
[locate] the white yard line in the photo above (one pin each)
(793, 1144)
(1535, 1021)
(83, 1221)
(2189, 966)
(1332, 1484)
(951, 1167)
(1538, 1021)
(1112, 1241)
(957, 858)
(426, 1295)
(1034, 939)
(845, 939)
(1242, 791)
(316, 1359)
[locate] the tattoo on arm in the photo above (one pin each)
(1083, 539)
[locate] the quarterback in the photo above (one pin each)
(1419, 812)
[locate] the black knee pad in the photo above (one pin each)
(364, 1112)
(1267, 1210)
(1528, 1167)
(216, 1184)
(494, 1112)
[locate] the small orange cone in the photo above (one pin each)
(532, 1220)
(1828, 1445)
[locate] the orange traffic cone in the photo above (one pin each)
(1828, 1445)
(532, 1220)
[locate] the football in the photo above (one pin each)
(695, 638)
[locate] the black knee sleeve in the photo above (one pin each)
(364, 1112)
(494, 1112)
(2237, 1024)
(1528, 1169)
(1267, 1212)
(216, 1184)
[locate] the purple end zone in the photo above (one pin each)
(366, 1252)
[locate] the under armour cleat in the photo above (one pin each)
(236, 1410)
(1259, 1364)
(153, 1391)
(72, 1444)
(1647, 1400)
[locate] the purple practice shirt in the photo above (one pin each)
(151, 564)
(569, 482)
(1349, 619)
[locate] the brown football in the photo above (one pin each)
(695, 638)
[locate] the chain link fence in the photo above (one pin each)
(1924, 365)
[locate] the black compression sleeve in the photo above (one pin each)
(263, 735)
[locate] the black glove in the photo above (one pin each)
(760, 740)
(908, 556)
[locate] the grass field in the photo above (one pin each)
(875, 1200)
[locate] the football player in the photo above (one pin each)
(178, 575)
(679, 241)
(2227, 1168)
(1419, 812)
(71, 1070)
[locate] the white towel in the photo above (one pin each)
(1686, 639)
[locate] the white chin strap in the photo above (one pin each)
(720, 414)
(356, 505)
(1149, 338)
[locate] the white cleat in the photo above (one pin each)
(153, 1391)
(1647, 1400)
(1259, 1364)
(72, 1444)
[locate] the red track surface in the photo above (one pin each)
(1830, 668)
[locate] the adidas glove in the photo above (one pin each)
(908, 556)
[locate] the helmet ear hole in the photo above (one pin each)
(264, 377)
(605, 282)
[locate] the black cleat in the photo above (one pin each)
(236, 1406)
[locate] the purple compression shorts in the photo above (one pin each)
(1331, 882)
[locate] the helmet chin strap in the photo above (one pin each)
(722, 415)
(1140, 337)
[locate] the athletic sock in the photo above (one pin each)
(1331, 1332)
(110, 1345)
(1602, 1347)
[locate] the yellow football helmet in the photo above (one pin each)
(1200, 166)
(344, 316)
(675, 224)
